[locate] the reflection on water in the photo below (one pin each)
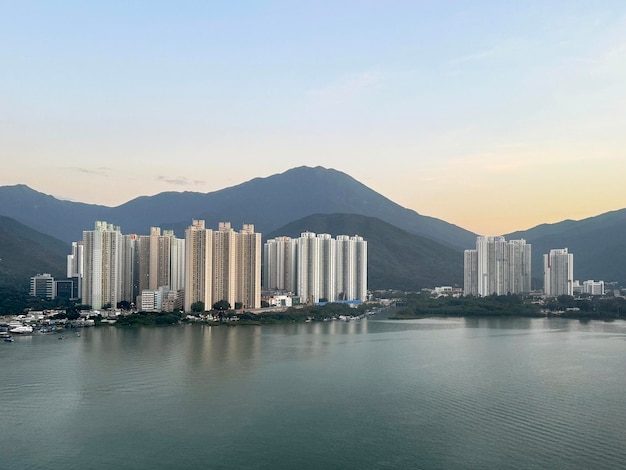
(429, 393)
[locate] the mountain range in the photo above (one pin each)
(327, 200)
(268, 203)
(598, 244)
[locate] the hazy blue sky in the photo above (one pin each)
(494, 115)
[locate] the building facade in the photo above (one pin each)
(222, 265)
(497, 267)
(75, 269)
(317, 267)
(592, 287)
(279, 264)
(206, 266)
(558, 273)
(102, 262)
(159, 259)
(249, 267)
(42, 285)
(198, 265)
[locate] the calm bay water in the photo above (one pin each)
(453, 393)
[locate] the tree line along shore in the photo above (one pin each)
(424, 305)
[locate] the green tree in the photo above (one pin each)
(221, 305)
(238, 305)
(197, 306)
(72, 315)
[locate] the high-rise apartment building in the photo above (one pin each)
(279, 266)
(222, 265)
(519, 275)
(308, 280)
(198, 265)
(317, 267)
(249, 267)
(75, 269)
(558, 273)
(130, 272)
(328, 266)
(142, 262)
(207, 266)
(159, 264)
(470, 272)
(225, 264)
(102, 260)
(346, 268)
(351, 271)
(360, 262)
(159, 261)
(177, 261)
(497, 267)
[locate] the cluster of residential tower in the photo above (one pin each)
(161, 272)
(501, 267)
(317, 267)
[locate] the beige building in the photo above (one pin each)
(102, 266)
(198, 265)
(249, 267)
(159, 267)
(225, 269)
(222, 265)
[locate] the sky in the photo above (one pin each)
(492, 115)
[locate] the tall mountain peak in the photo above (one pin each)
(268, 202)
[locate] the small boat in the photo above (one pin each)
(77, 333)
(61, 337)
(9, 339)
(22, 329)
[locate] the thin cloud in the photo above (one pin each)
(476, 56)
(101, 171)
(346, 88)
(180, 181)
(510, 50)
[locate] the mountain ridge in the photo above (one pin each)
(274, 201)
(597, 243)
(267, 202)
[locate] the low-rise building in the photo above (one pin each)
(42, 285)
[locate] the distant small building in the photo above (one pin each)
(173, 300)
(42, 285)
(64, 288)
(151, 300)
(160, 300)
(279, 301)
(447, 291)
(593, 287)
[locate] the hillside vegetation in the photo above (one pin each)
(396, 259)
(25, 252)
